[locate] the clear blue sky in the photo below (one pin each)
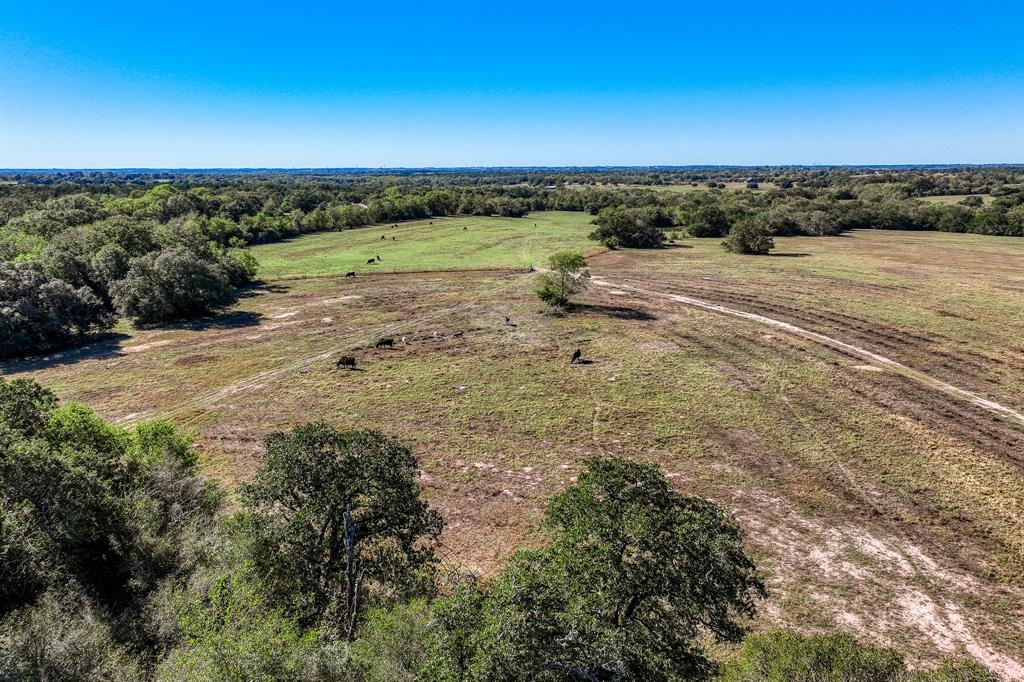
(223, 84)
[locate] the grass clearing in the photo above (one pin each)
(437, 244)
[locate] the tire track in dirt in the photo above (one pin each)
(875, 358)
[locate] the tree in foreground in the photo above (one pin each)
(338, 524)
(635, 579)
(568, 277)
(749, 236)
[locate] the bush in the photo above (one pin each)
(631, 228)
(40, 314)
(707, 221)
(169, 285)
(393, 644)
(569, 276)
(749, 236)
(229, 634)
(785, 656)
(87, 504)
(62, 638)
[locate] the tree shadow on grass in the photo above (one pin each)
(101, 348)
(234, 319)
(619, 312)
(261, 288)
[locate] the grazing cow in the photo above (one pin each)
(386, 343)
(346, 361)
(382, 236)
(392, 239)
(370, 262)
(431, 222)
(379, 259)
(576, 356)
(464, 227)
(350, 274)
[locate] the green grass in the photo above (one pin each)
(438, 244)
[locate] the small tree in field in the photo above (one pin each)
(569, 276)
(750, 236)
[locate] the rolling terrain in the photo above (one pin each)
(874, 500)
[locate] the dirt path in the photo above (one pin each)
(875, 358)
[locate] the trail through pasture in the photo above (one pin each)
(937, 384)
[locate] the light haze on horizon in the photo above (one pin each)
(194, 85)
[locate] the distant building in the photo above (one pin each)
(550, 186)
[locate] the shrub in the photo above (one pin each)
(392, 646)
(169, 285)
(749, 236)
(87, 504)
(631, 228)
(39, 314)
(63, 638)
(229, 634)
(785, 656)
(707, 221)
(569, 276)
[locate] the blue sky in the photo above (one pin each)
(311, 84)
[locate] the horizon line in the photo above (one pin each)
(285, 169)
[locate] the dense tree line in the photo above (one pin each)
(118, 561)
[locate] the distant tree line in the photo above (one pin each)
(119, 561)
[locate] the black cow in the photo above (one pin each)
(370, 262)
(345, 361)
(382, 236)
(379, 259)
(350, 274)
(386, 343)
(576, 356)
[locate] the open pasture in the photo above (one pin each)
(873, 503)
(464, 243)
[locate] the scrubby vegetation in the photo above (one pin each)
(567, 277)
(119, 561)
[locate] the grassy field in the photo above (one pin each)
(441, 243)
(873, 504)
